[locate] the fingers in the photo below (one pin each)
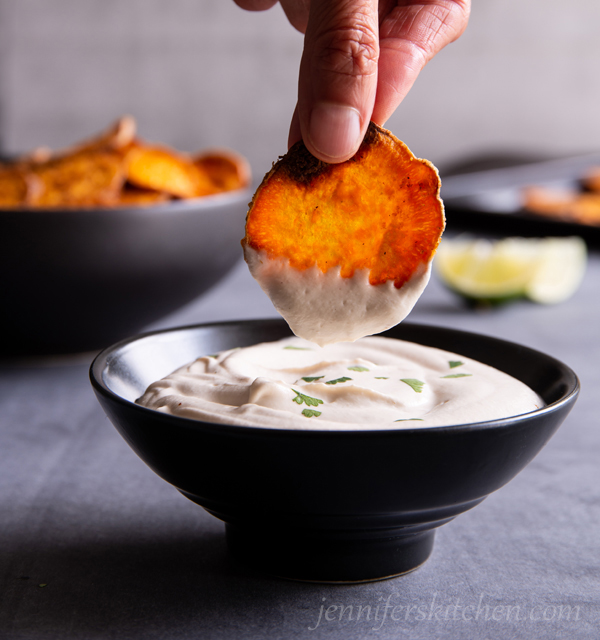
(338, 77)
(295, 134)
(297, 13)
(255, 5)
(360, 59)
(410, 36)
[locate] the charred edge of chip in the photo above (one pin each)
(373, 133)
(302, 167)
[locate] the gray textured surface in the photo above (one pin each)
(123, 555)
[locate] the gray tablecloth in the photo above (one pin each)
(94, 545)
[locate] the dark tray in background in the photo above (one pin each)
(483, 194)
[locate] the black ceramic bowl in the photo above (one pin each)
(79, 279)
(322, 505)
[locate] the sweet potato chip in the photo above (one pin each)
(161, 169)
(586, 209)
(592, 180)
(548, 202)
(226, 169)
(16, 187)
(379, 211)
(38, 155)
(134, 196)
(117, 137)
(569, 206)
(86, 178)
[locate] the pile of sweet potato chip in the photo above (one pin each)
(116, 169)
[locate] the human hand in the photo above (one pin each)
(360, 59)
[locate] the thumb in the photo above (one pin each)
(338, 77)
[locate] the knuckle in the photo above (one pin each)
(352, 51)
(428, 27)
(440, 21)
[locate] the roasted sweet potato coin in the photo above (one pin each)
(548, 202)
(592, 180)
(17, 186)
(226, 169)
(39, 155)
(161, 169)
(585, 209)
(117, 137)
(136, 197)
(86, 178)
(568, 206)
(379, 211)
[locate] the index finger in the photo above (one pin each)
(338, 76)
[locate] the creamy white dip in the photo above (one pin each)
(326, 308)
(375, 382)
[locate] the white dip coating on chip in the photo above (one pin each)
(326, 308)
(375, 382)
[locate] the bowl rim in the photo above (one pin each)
(171, 206)
(103, 358)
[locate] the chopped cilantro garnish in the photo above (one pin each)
(292, 348)
(311, 402)
(408, 419)
(381, 378)
(357, 367)
(311, 413)
(311, 378)
(342, 379)
(414, 384)
(455, 363)
(458, 375)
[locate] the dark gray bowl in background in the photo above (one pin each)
(329, 505)
(79, 279)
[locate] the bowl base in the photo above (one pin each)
(333, 557)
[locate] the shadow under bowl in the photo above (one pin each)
(79, 279)
(332, 506)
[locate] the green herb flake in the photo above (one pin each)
(455, 363)
(408, 419)
(43, 584)
(292, 348)
(458, 375)
(357, 367)
(381, 378)
(212, 355)
(311, 402)
(414, 384)
(311, 378)
(342, 379)
(311, 413)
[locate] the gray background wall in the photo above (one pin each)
(197, 73)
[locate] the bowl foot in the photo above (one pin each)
(329, 556)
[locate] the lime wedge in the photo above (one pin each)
(545, 270)
(559, 270)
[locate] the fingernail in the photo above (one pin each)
(334, 130)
